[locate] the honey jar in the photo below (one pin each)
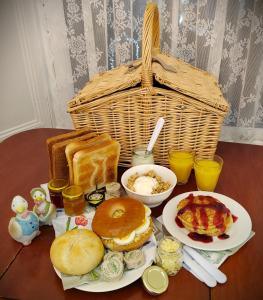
(73, 199)
(55, 187)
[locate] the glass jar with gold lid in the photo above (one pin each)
(74, 202)
(55, 187)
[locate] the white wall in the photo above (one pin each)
(25, 100)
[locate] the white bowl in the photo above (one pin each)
(150, 200)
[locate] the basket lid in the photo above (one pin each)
(106, 83)
(188, 80)
(168, 71)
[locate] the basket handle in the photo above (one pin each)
(150, 42)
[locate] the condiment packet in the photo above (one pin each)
(214, 257)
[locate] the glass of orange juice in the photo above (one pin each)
(207, 172)
(181, 163)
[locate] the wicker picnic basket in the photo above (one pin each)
(127, 101)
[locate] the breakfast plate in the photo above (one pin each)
(238, 232)
(129, 276)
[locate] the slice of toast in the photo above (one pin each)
(58, 138)
(74, 147)
(59, 160)
(96, 165)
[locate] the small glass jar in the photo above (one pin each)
(169, 255)
(141, 157)
(113, 190)
(74, 202)
(55, 187)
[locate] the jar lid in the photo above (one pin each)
(72, 192)
(57, 185)
(155, 280)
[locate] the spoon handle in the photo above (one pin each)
(155, 134)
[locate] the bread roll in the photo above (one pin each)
(76, 252)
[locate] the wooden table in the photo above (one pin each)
(27, 273)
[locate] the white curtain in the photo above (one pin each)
(224, 37)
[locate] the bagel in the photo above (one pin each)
(118, 217)
(138, 241)
(123, 224)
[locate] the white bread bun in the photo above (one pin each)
(76, 252)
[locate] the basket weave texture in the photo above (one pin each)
(127, 101)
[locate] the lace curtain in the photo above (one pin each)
(224, 37)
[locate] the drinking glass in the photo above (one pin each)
(207, 172)
(181, 163)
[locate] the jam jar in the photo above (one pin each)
(169, 255)
(141, 157)
(74, 202)
(55, 187)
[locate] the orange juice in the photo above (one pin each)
(207, 173)
(181, 163)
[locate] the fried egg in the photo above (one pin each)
(147, 211)
(141, 229)
(126, 239)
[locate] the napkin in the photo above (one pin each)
(63, 223)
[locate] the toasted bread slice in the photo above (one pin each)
(59, 160)
(58, 138)
(96, 165)
(74, 147)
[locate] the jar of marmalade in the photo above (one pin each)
(74, 202)
(55, 187)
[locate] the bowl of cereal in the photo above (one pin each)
(151, 184)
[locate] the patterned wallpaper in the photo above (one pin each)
(224, 37)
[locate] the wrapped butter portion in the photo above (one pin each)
(112, 269)
(134, 259)
(111, 254)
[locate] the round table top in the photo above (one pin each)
(27, 273)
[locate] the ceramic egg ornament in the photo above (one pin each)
(24, 227)
(45, 210)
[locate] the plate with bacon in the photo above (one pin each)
(207, 220)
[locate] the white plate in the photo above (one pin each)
(128, 276)
(238, 232)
